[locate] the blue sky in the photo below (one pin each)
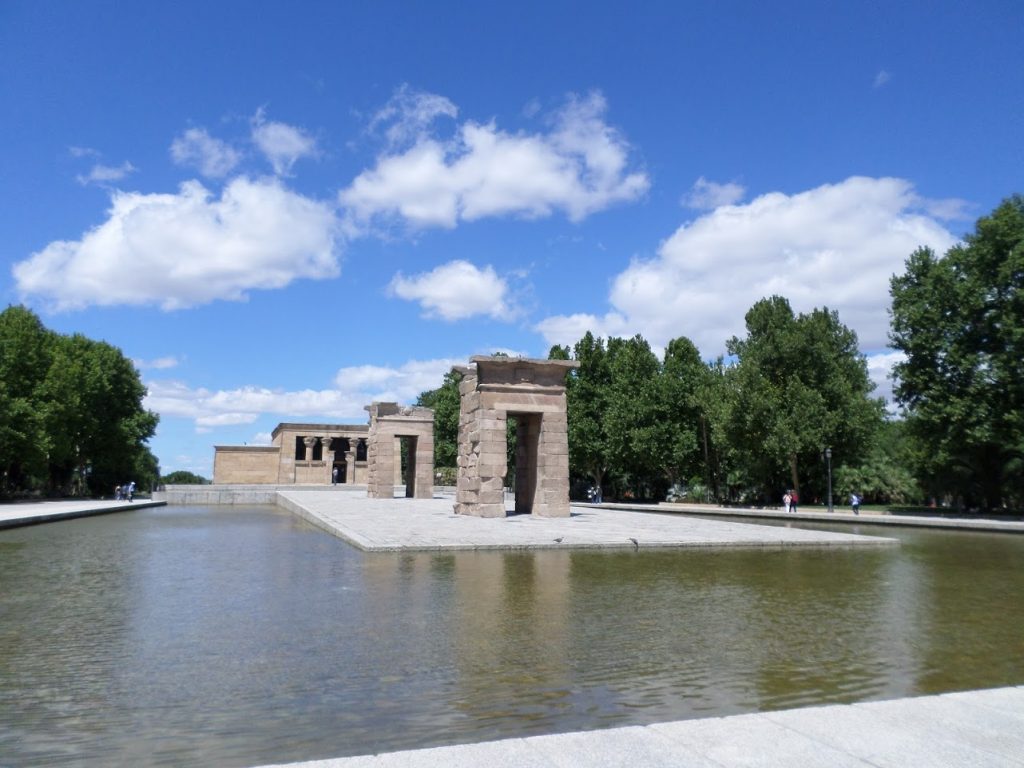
(282, 211)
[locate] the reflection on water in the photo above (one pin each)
(243, 636)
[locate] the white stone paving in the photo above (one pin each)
(953, 730)
(29, 513)
(431, 524)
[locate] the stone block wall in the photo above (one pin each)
(245, 464)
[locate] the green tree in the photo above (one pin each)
(680, 422)
(800, 385)
(586, 405)
(885, 476)
(714, 396)
(959, 320)
(26, 350)
(183, 477)
(71, 413)
(634, 432)
(96, 425)
(445, 402)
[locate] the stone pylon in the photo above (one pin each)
(390, 424)
(495, 390)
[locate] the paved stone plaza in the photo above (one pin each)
(431, 524)
(973, 728)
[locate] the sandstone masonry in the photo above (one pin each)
(532, 392)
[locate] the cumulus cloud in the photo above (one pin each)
(244, 405)
(455, 291)
(409, 114)
(198, 149)
(187, 249)
(401, 385)
(282, 144)
(354, 388)
(104, 174)
(836, 245)
(579, 166)
(707, 195)
(881, 78)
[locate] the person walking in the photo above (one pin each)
(334, 476)
(794, 497)
(786, 500)
(855, 503)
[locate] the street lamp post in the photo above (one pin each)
(828, 458)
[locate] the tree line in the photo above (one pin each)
(71, 415)
(747, 426)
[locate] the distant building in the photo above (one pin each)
(302, 454)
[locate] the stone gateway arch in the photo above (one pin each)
(390, 425)
(493, 391)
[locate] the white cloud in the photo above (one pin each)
(707, 195)
(160, 363)
(402, 385)
(196, 148)
(245, 405)
(355, 387)
(568, 329)
(282, 144)
(881, 78)
(261, 438)
(880, 370)
(455, 291)
(836, 246)
(83, 152)
(187, 249)
(409, 114)
(103, 174)
(951, 209)
(579, 166)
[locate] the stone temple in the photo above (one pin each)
(347, 454)
(300, 454)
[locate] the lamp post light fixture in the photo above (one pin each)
(828, 458)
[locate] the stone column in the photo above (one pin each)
(350, 460)
(398, 460)
(328, 457)
(310, 442)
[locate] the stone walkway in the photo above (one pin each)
(33, 512)
(973, 728)
(430, 524)
(840, 515)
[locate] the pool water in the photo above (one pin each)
(243, 636)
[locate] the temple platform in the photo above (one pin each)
(400, 524)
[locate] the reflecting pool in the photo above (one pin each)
(242, 636)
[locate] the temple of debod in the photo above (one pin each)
(339, 454)
(494, 391)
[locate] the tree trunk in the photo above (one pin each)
(793, 473)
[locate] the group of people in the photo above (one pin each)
(125, 492)
(790, 499)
